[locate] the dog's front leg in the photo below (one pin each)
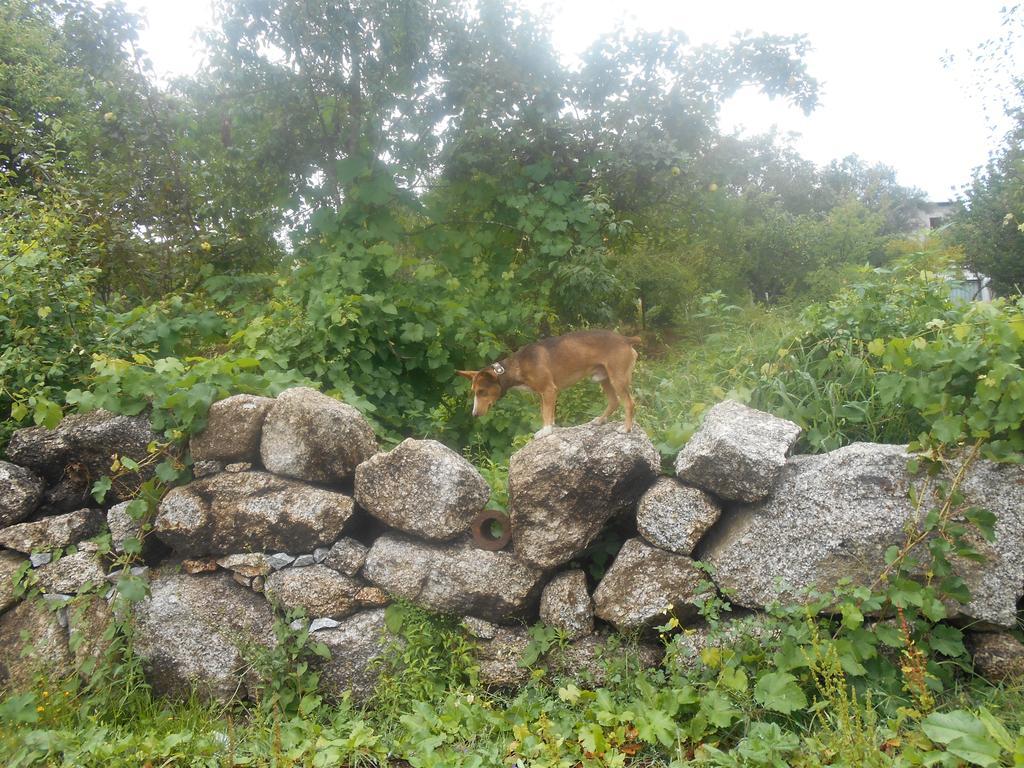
(547, 410)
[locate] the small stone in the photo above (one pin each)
(298, 625)
(139, 571)
(203, 469)
(372, 597)
(316, 589)
(72, 573)
(245, 581)
(258, 583)
(320, 554)
(40, 559)
(238, 466)
(21, 492)
(323, 624)
(565, 604)
(480, 628)
(249, 564)
(347, 556)
(303, 560)
(204, 565)
(997, 655)
(675, 517)
(280, 560)
(122, 526)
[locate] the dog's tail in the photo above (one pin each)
(634, 340)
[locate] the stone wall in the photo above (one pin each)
(292, 506)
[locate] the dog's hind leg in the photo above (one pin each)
(622, 382)
(613, 401)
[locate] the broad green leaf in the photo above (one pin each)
(779, 692)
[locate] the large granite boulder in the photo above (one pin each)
(32, 641)
(198, 632)
(317, 589)
(310, 436)
(737, 453)
(21, 491)
(355, 644)
(234, 428)
(454, 578)
(834, 515)
(52, 532)
(250, 512)
(673, 516)
(564, 487)
(423, 488)
(79, 451)
(645, 584)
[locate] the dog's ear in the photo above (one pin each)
(467, 374)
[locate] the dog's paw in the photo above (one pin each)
(544, 432)
(599, 421)
(623, 429)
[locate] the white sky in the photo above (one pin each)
(886, 94)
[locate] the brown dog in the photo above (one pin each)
(550, 365)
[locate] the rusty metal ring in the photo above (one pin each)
(483, 536)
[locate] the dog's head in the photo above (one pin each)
(486, 389)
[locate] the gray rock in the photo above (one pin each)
(250, 511)
(564, 487)
(317, 624)
(21, 491)
(685, 648)
(139, 571)
(737, 453)
(52, 532)
(303, 560)
(354, 645)
(997, 655)
(239, 466)
(203, 469)
(196, 631)
(10, 563)
(310, 436)
(32, 640)
(346, 556)
(234, 426)
(122, 526)
(422, 487)
(80, 451)
(565, 604)
(834, 515)
(280, 560)
(500, 657)
(249, 564)
(320, 554)
(40, 559)
(454, 578)
(590, 659)
(644, 584)
(316, 589)
(72, 573)
(673, 516)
